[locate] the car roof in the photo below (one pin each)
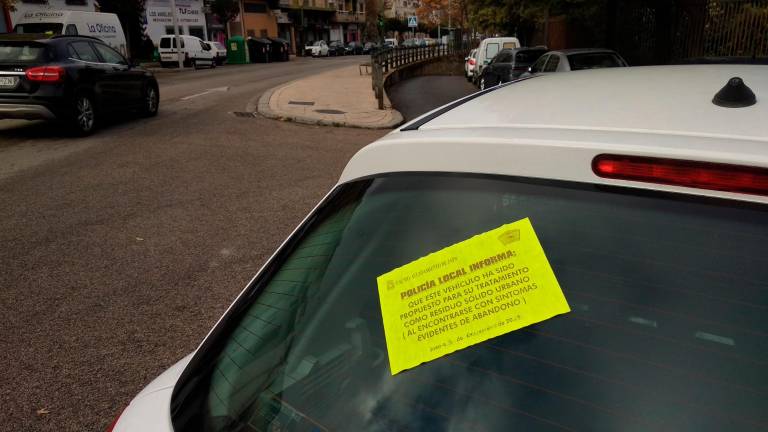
(552, 126)
(570, 51)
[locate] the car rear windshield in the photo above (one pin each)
(594, 61)
(22, 52)
(668, 328)
(42, 28)
(528, 57)
(491, 50)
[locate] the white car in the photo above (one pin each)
(317, 49)
(195, 52)
(641, 192)
(219, 52)
(469, 64)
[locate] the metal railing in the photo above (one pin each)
(386, 60)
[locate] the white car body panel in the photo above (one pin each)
(499, 133)
(150, 410)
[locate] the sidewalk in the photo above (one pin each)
(341, 97)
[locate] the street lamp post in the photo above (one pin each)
(176, 34)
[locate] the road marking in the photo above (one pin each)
(217, 89)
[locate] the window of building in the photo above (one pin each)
(264, 33)
(255, 8)
(197, 31)
(251, 33)
(169, 30)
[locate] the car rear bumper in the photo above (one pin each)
(25, 112)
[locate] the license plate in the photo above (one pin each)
(8, 82)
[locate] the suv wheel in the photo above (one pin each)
(84, 115)
(151, 101)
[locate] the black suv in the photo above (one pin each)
(73, 79)
(508, 65)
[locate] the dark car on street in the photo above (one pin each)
(370, 48)
(508, 65)
(354, 48)
(72, 79)
(336, 48)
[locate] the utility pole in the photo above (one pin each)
(241, 6)
(176, 39)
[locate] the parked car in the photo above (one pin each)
(649, 206)
(195, 52)
(370, 47)
(488, 49)
(410, 43)
(576, 59)
(317, 49)
(104, 26)
(336, 48)
(469, 64)
(391, 41)
(354, 48)
(76, 80)
(219, 52)
(509, 64)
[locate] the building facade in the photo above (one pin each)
(400, 9)
(190, 19)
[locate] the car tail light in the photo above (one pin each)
(114, 422)
(676, 172)
(472, 61)
(47, 74)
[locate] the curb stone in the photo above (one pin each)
(263, 108)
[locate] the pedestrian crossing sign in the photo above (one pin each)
(412, 21)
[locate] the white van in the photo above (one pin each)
(488, 49)
(104, 26)
(195, 52)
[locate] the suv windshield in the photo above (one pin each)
(667, 331)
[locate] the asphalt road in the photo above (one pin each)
(118, 252)
(413, 97)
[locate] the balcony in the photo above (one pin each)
(349, 17)
(323, 5)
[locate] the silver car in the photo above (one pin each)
(576, 59)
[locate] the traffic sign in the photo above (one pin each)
(412, 21)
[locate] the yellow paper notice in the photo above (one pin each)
(472, 291)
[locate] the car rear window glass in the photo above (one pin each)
(85, 52)
(22, 53)
(491, 50)
(527, 57)
(667, 331)
(170, 41)
(41, 28)
(594, 61)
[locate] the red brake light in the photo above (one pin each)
(47, 74)
(472, 61)
(701, 175)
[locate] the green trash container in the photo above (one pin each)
(236, 50)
